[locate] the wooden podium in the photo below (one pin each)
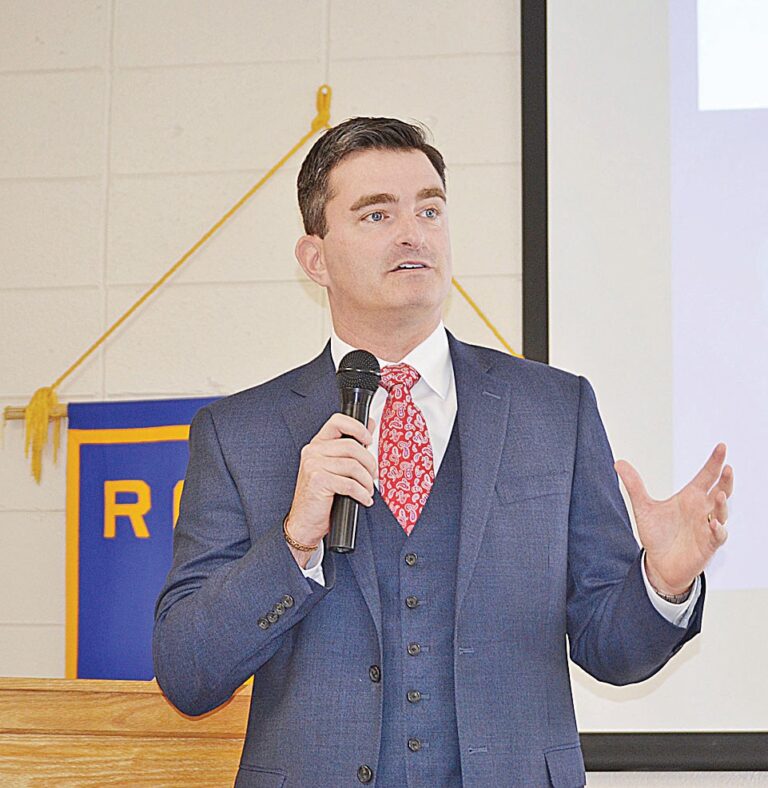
(63, 732)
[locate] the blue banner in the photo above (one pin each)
(125, 468)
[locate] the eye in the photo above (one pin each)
(431, 213)
(374, 216)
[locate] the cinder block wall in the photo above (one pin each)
(128, 127)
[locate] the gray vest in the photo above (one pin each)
(417, 583)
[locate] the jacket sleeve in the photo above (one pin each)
(211, 628)
(615, 632)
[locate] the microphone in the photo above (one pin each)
(358, 379)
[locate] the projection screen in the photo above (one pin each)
(658, 293)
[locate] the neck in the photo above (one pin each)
(390, 345)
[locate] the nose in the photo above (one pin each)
(409, 232)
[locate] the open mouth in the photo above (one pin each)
(410, 267)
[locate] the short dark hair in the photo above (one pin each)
(355, 134)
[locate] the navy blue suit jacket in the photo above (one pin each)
(547, 562)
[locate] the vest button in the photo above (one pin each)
(374, 672)
(411, 602)
(411, 558)
(414, 649)
(364, 773)
(414, 696)
(414, 745)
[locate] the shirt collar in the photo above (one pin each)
(431, 359)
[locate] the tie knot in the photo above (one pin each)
(399, 375)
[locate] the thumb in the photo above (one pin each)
(632, 481)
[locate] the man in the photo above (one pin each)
(434, 655)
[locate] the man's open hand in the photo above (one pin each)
(681, 534)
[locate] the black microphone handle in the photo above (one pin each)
(356, 403)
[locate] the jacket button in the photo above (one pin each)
(414, 649)
(411, 602)
(414, 745)
(375, 673)
(279, 608)
(364, 773)
(410, 559)
(263, 623)
(272, 616)
(414, 696)
(288, 600)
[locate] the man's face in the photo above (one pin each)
(387, 251)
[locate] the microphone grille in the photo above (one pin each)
(359, 370)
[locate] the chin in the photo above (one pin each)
(418, 298)
(416, 308)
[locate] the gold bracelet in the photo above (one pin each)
(304, 548)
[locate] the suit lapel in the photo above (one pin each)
(315, 399)
(483, 413)
(364, 569)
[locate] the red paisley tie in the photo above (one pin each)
(406, 464)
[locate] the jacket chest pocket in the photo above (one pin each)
(529, 515)
(512, 488)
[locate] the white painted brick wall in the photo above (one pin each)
(128, 127)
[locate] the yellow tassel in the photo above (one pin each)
(37, 416)
(323, 102)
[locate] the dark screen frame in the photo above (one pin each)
(611, 752)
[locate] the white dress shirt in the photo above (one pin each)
(435, 394)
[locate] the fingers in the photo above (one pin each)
(340, 479)
(720, 494)
(343, 456)
(340, 425)
(351, 469)
(710, 472)
(720, 511)
(725, 482)
(333, 463)
(343, 436)
(718, 532)
(632, 481)
(347, 447)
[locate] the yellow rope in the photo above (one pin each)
(485, 320)
(320, 121)
(39, 410)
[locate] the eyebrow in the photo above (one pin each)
(372, 199)
(433, 191)
(379, 199)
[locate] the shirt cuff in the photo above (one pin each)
(679, 615)
(314, 568)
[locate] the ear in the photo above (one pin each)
(311, 256)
